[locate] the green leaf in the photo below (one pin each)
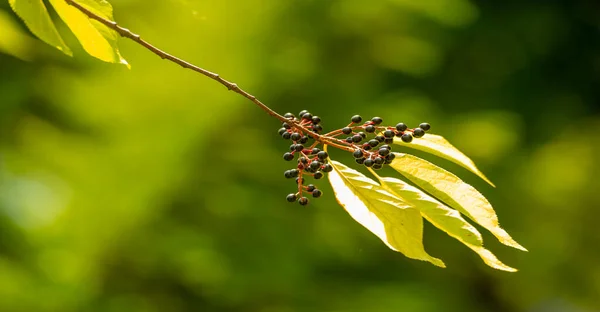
(444, 218)
(36, 17)
(439, 146)
(97, 40)
(450, 189)
(396, 223)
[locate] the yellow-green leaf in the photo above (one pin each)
(451, 190)
(97, 40)
(444, 218)
(439, 146)
(396, 223)
(36, 17)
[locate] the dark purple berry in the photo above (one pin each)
(378, 160)
(346, 130)
(317, 128)
(318, 175)
(286, 125)
(327, 168)
(370, 129)
(349, 140)
(307, 116)
(373, 143)
(295, 136)
(388, 141)
(401, 127)
(389, 134)
(316, 193)
(303, 201)
(288, 174)
(425, 126)
(357, 153)
(299, 179)
(302, 112)
(356, 138)
(294, 172)
(377, 120)
(286, 135)
(293, 148)
(303, 160)
(288, 156)
(282, 131)
(418, 133)
(363, 135)
(310, 188)
(299, 147)
(386, 146)
(407, 137)
(369, 162)
(315, 151)
(384, 151)
(291, 198)
(289, 116)
(380, 138)
(360, 161)
(315, 165)
(322, 155)
(356, 119)
(303, 139)
(366, 146)
(316, 120)
(377, 166)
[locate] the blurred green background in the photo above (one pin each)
(155, 189)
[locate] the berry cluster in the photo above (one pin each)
(371, 153)
(310, 161)
(374, 152)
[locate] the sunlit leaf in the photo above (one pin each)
(36, 17)
(444, 218)
(97, 39)
(13, 40)
(439, 146)
(453, 191)
(396, 223)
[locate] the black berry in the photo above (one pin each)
(294, 173)
(310, 188)
(282, 130)
(380, 138)
(299, 179)
(349, 139)
(373, 143)
(322, 155)
(307, 116)
(418, 132)
(285, 125)
(377, 120)
(302, 112)
(327, 168)
(346, 130)
(370, 128)
(299, 147)
(288, 156)
(377, 166)
(286, 135)
(401, 127)
(366, 146)
(303, 201)
(378, 160)
(295, 136)
(356, 138)
(357, 153)
(384, 151)
(425, 126)
(303, 140)
(360, 161)
(363, 135)
(293, 148)
(318, 175)
(369, 162)
(317, 193)
(317, 128)
(356, 119)
(303, 160)
(389, 134)
(388, 141)
(291, 198)
(289, 115)
(315, 165)
(315, 150)
(316, 120)
(407, 137)
(288, 174)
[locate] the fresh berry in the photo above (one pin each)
(315, 151)
(356, 138)
(303, 201)
(418, 132)
(282, 130)
(303, 139)
(363, 135)
(295, 136)
(377, 166)
(370, 129)
(310, 188)
(425, 126)
(349, 140)
(380, 138)
(407, 137)
(373, 143)
(315, 165)
(346, 130)
(286, 135)
(356, 119)
(322, 155)
(378, 160)
(366, 146)
(286, 125)
(293, 147)
(360, 161)
(302, 112)
(303, 160)
(317, 128)
(291, 198)
(316, 193)
(299, 147)
(386, 146)
(288, 174)
(384, 151)
(289, 115)
(377, 120)
(299, 179)
(357, 153)
(307, 116)
(388, 141)
(369, 162)
(389, 134)
(294, 172)
(318, 175)
(327, 168)
(401, 127)
(288, 156)
(316, 120)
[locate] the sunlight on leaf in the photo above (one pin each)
(97, 40)
(13, 40)
(453, 191)
(36, 17)
(439, 146)
(396, 223)
(443, 217)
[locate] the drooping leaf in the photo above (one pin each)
(451, 190)
(97, 40)
(439, 146)
(444, 218)
(396, 223)
(36, 17)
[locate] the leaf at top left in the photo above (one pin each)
(36, 17)
(97, 39)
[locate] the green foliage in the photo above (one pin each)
(97, 40)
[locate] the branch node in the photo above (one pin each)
(232, 86)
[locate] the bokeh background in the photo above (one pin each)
(155, 189)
